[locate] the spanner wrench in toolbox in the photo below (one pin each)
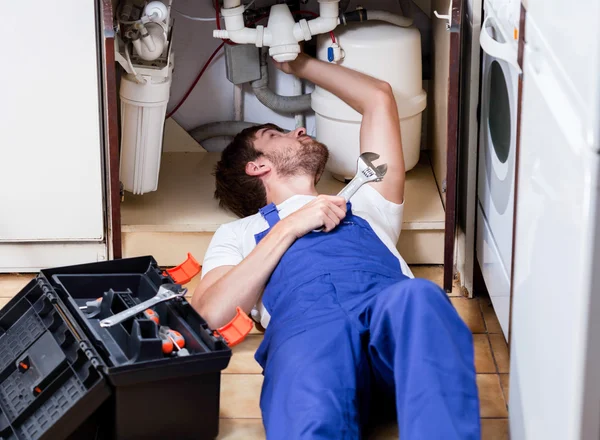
(164, 294)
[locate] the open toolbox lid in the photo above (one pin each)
(57, 365)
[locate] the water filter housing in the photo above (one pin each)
(389, 53)
(143, 109)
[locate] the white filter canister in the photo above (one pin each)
(386, 52)
(143, 110)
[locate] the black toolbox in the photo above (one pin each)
(62, 376)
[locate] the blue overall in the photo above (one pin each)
(347, 325)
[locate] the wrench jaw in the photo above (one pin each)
(369, 157)
(380, 172)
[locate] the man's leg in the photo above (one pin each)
(313, 382)
(420, 347)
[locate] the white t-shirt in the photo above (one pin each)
(233, 241)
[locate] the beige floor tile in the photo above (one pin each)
(241, 429)
(256, 331)
(240, 396)
(435, 274)
(470, 312)
(504, 381)
(494, 429)
(3, 302)
(11, 284)
(242, 360)
(489, 315)
(191, 286)
(500, 350)
(484, 361)
(491, 400)
(432, 273)
(385, 432)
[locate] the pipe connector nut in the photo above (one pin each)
(283, 53)
(305, 30)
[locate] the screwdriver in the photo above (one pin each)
(151, 315)
(180, 351)
(91, 306)
(172, 339)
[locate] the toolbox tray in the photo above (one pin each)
(63, 376)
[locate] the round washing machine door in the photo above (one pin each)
(498, 135)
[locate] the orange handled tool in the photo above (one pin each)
(169, 338)
(151, 315)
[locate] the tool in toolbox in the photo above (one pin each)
(164, 294)
(170, 339)
(366, 172)
(177, 342)
(93, 307)
(151, 315)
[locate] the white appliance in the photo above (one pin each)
(387, 52)
(497, 148)
(51, 174)
(555, 330)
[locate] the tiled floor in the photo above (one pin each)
(241, 381)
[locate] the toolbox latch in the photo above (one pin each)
(187, 270)
(236, 330)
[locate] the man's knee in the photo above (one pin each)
(418, 290)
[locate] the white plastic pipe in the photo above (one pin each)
(227, 4)
(241, 36)
(154, 43)
(279, 34)
(327, 19)
(282, 34)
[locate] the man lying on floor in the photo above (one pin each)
(344, 316)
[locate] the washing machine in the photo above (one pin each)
(497, 150)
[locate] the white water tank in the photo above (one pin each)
(389, 53)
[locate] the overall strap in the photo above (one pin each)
(270, 214)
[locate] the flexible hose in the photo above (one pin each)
(172, 112)
(217, 129)
(278, 103)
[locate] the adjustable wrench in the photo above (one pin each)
(164, 294)
(366, 172)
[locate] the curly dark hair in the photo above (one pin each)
(235, 190)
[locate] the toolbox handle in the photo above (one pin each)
(187, 270)
(236, 330)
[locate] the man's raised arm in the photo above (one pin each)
(374, 100)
